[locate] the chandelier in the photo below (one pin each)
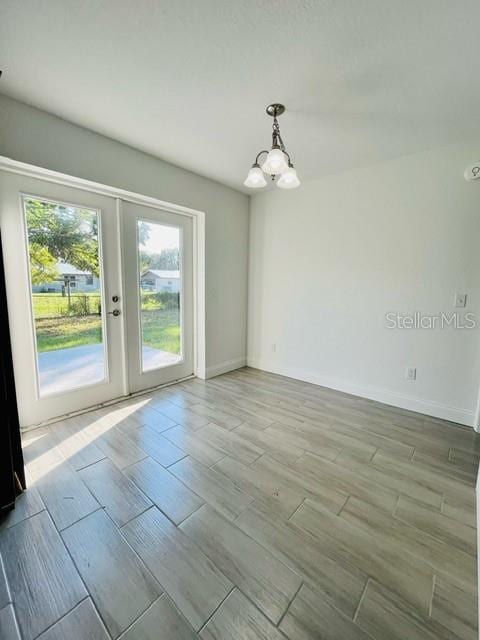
(277, 162)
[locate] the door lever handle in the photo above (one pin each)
(115, 312)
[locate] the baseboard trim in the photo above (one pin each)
(225, 367)
(393, 398)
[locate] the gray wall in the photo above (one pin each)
(30, 135)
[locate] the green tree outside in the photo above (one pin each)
(59, 233)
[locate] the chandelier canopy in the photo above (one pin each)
(277, 163)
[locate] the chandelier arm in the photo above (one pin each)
(288, 156)
(259, 154)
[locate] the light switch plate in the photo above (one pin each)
(460, 299)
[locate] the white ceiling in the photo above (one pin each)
(188, 80)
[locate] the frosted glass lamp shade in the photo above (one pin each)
(255, 178)
(288, 179)
(275, 162)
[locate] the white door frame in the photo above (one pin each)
(198, 220)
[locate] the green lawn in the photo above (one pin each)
(160, 330)
(63, 333)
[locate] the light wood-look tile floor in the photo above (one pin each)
(248, 506)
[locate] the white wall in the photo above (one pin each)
(328, 260)
(33, 136)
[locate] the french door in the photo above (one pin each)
(100, 294)
(159, 285)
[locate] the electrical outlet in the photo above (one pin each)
(411, 373)
(274, 347)
(460, 299)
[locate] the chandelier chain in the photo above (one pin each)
(276, 137)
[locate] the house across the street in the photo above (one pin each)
(158, 281)
(80, 281)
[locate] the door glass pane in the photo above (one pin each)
(160, 286)
(65, 275)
